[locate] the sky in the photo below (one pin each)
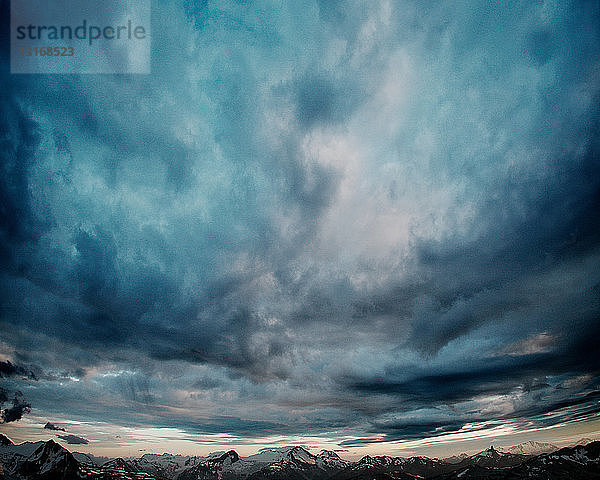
(364, 226)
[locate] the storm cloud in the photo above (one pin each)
(327, 218)
(51, 426)
(15, 412)
(7, 369)
(73, 439)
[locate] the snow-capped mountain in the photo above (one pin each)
(571, 463)
(119, 464)
(165, 465)
(425, 466)
(582, 441)
(299, 463)
(456, 458)
(218, 466)
(380, 461)
(13, 455)
(284, 462)
(375, 467)
(494, 458)
(23, 449)
(525, 449)
(50, 461)
(530, 448)
(269, 455)
(581, 461)
(327, 459)
(413, 466)
(299, 455)
(85, 458)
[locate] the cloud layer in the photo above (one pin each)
(370, 220)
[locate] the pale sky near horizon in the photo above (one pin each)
(110, 441)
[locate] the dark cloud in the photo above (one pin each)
(7, 369)
(321, 98)
(51, 426)
(19, 407)
(206, 383)
(539, 416)
(74, 439)
(500, 375)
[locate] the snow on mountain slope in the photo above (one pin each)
(579, 462)
(13, 455)
(24, 449)
(456, 458)
(85, 458)
(227, 465)
(530, 448)
(302, 456)
(49, 462)
(269, 455)
(119, 464)
(582, 441)
(381, 461)
(494, 458)
(330, 460)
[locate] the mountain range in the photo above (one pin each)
(50, 461)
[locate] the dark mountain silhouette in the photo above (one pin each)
(212, 468)
(494, 459)
(4, 440)
(119, 464)
(49, 462)
(572, 463)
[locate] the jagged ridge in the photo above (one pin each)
(50, 461)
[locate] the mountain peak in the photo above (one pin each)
(330, 460)
(118, 464)
(50, 460)
(380, 460)
(490, 452)
(584, 441)
(328, 454)
(530, 447)
(300, 454)
(299, 448)
(228, 457)
(52, 446)
(5, 441)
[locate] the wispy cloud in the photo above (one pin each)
(73, 439)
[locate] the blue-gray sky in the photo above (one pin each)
(361, 224)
